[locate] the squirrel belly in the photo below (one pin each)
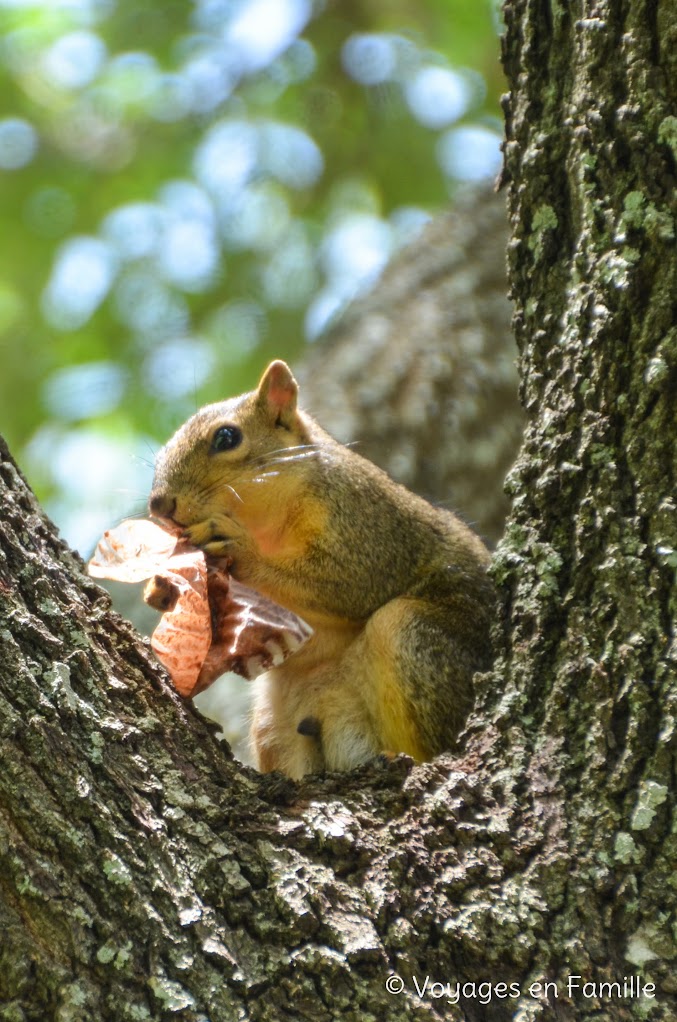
(349, 689)
(396, 591)
(400, 683)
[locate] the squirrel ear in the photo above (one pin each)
(277, 392)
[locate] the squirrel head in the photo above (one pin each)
(233, 461)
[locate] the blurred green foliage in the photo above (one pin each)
(190, 188)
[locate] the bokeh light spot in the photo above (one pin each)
(437, 96)
(84, 391)
(289, 278)
(470, 153)
(237, 329)
(149, 307)
(18, 143)
(74, 60)
(189, 255)
(80, 280)
(263, 29)
(226, 158)
(290, 155)
(178, 367)
(369, 58)
(134, 229)
(256, 219)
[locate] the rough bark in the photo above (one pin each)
(588, 561)
(421, 373)
(145, 875)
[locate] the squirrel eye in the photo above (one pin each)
(226, 438)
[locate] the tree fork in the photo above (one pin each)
(146, 875)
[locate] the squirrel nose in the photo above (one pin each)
(161, 505)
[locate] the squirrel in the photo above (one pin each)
(395, 590)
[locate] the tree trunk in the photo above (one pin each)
(421, 373)
(588, 671)
(146, 875)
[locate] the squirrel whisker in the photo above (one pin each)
(227, 486)
(292, 457)
(136, 514)
(219, 486)
(289, 451)
(262, 476)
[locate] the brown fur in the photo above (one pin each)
(395, 589)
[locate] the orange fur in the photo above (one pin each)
(395, 590)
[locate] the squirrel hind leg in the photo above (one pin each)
(418, 658)
(347, 745)
(439, 651)
(310, 728)
(279, 739)
(292, 754)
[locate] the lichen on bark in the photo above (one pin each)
(146, 875)
(586, 559)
